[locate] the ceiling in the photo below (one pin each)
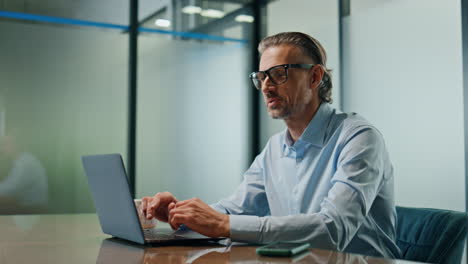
(110, 11)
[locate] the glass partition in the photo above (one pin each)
(63, 94)
(192, 117)
(113, 12)
(398, 74)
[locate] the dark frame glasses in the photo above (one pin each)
(277, 74)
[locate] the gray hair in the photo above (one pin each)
(309, 47)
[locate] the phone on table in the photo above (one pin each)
(282, 249)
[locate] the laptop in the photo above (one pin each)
(116, 209)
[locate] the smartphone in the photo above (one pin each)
(282, 249)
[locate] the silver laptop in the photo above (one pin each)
(115, 206)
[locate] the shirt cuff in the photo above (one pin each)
(245, 228)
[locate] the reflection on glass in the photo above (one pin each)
(118, 251)
(23, 179)
(217, 18)
(52, 111)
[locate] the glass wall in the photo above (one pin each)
(107, 11)
(193, 105)
(405, 76)
(63, 94)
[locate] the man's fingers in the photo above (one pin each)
(144, 204)
(171, 206)
(166, 197)
(179, 219)
(181, 203)
(157, 206)
(177, 211)
(185, 211)
(154, 204)
(185, 202)
(173, 225)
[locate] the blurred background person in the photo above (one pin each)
(23, 179)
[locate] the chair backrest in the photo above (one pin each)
(431, 235)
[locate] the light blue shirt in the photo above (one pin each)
(332, 188)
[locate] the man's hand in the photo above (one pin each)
(157, 206)
(199, 217)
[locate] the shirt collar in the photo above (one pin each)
(315, 131)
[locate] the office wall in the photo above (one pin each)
(403, 72)
(317, 18)
(192, 117)
(63, 94)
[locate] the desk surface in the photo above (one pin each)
(78, 239)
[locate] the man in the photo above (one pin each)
(327, 179)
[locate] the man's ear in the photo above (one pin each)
(316, 76)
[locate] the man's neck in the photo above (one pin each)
(297, 124)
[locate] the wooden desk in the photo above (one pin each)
(78, 239)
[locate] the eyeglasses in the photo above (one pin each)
(277, 74)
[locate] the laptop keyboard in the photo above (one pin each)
(158, 234)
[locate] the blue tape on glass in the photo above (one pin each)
(60, 20)
(192, 35)
(79, 22)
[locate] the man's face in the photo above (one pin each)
(292, 98)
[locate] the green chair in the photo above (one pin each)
(431, 235)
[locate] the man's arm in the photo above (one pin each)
(356, 183)
(249, 198)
